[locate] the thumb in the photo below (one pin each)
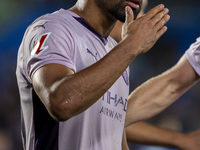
(129, 14)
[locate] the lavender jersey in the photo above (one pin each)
(64, 38)
(193, 55)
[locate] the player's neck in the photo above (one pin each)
(95, 17)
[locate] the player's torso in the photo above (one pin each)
(100, 126)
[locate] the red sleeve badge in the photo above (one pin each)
(38, 44)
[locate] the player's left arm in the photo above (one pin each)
(159, 92)
(147, 134)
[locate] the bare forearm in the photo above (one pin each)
(156, 94)
(146, 134)
(79, 91)
(143, 133)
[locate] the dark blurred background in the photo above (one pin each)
(183, 29)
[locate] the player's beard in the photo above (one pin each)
(118, 11)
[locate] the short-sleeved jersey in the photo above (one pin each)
(67, 39)
(193, 55)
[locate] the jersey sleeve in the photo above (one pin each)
(50, 43)
(193, 55)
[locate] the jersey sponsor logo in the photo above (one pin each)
(38, 44)
(111, 113)
(115, 100)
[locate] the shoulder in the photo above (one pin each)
(56, 22)
(57, 26)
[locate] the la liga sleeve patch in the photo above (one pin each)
(38, 44)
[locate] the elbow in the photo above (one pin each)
(63, 110)
(60, 112)
(65, 105)
(57, 108)
(57, 105)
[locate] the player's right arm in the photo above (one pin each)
(66, 94)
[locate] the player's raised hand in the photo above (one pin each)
(143, 33)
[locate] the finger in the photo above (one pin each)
(156, 19)
(161, 32)
(162, 22)
(129, 15)
(151, 13)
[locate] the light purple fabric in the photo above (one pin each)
(193, 55)
(64, 38)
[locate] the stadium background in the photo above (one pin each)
(183, 29)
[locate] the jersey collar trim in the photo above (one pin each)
(87, 25)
